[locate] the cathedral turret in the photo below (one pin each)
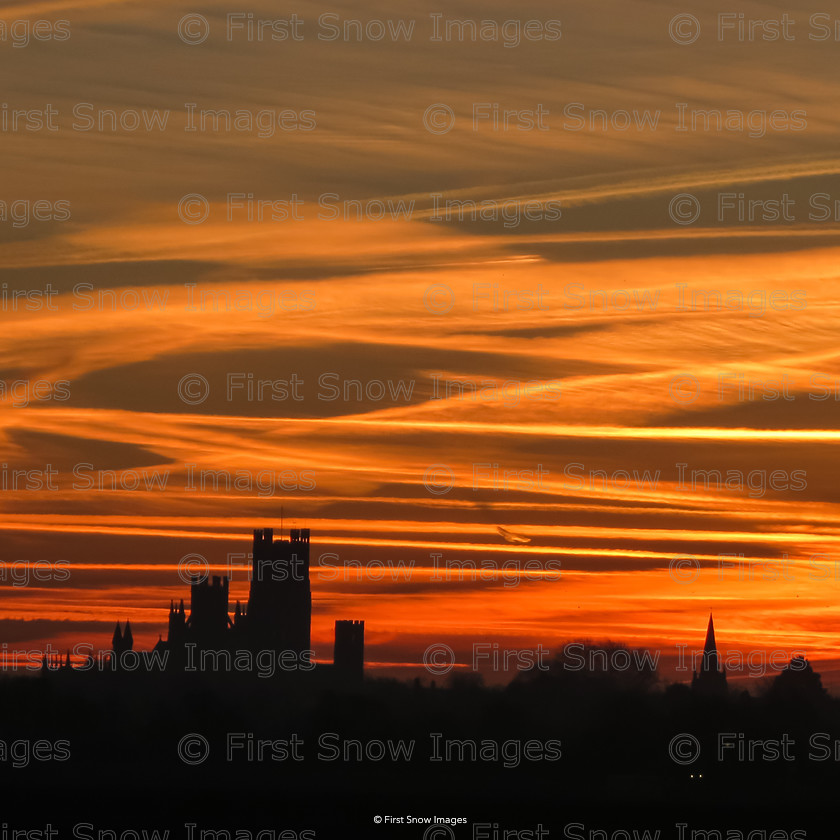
(349, 651)
(279, 609)
(128, 637)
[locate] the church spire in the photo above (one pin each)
(710, 646)
(711, 678)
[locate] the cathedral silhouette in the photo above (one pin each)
(276, 618)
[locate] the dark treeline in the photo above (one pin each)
(553, 745)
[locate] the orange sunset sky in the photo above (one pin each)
(612, 338)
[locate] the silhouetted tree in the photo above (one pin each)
(798, 683)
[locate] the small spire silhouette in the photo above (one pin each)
(710, 647)
(711, 678)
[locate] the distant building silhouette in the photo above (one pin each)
(279, 610)
(278, 614)
(209, 621)
(711, 678)
(277, 617)
(177, 624)
(349, 651)
(121, 642)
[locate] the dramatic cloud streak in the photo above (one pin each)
(617, 387)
